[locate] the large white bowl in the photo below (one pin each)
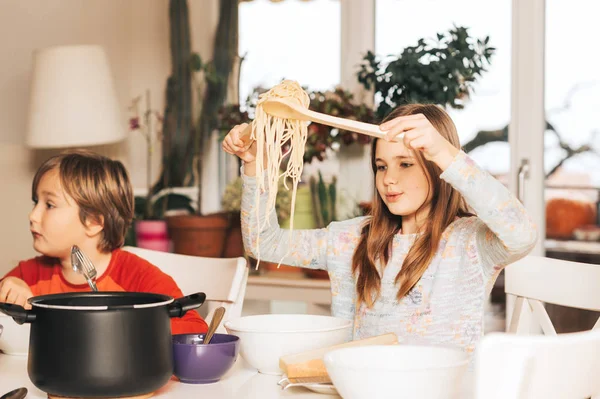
(265, 338)
(397, 371)
(14, 339)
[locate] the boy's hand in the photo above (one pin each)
(14, 290)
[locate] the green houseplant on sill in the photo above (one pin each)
(194, 93)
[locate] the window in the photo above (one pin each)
(572, 97)
(400, 23)
(292, 39)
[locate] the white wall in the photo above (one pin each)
(134, 34)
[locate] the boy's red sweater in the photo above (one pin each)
(126, 272)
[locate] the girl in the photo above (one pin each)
(421, 265)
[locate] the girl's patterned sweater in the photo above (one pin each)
(446, 307)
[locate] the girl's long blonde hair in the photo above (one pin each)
(378, 233)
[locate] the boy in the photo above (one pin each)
(85, 199)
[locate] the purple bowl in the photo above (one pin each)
(196, 363)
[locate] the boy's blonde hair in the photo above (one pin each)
(100, 187)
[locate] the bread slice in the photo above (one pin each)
(310, 364)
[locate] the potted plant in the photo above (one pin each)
(189, 122)
(440, 71)
(150, 229)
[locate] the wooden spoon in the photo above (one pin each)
(291, 109)
(214, 324)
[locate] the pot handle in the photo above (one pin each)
(180, 306)
(17, 312)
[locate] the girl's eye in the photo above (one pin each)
(380, 168)
(49, 205)
(406, 165)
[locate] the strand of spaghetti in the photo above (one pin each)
(271, 133)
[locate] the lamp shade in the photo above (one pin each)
(73, 100)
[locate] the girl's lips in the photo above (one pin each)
(393, 197)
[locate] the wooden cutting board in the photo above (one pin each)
(309, 365)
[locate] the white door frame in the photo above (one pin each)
(527, 122)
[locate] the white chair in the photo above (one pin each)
(535, 280)
(537, 366)
(565, 366)
(222, 280)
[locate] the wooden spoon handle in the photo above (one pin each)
(214, 324)
(290, 109)
(245, 136)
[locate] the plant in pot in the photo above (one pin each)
(441, 71)
(150, 229)
(341, 103)
(189, 122)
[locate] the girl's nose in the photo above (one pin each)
(390, 177)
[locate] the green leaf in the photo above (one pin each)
(196, 62)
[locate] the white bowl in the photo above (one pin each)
(265, 338)
(14, 339)
(396, 371)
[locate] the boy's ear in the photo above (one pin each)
(94, 225)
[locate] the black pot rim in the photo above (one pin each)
(161, 300)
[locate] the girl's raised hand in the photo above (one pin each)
(421, 135)
(233, 144)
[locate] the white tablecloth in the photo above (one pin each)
(240, 382)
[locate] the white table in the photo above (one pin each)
(241, 383)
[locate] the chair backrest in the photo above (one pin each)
(535, 280)
(536, 366)
(222, 280)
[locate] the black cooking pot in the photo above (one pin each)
(101, 344)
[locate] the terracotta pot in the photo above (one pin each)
(199, 235)
(234, 245)
(152, 234)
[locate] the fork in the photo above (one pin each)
(82, 264)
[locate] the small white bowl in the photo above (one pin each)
(265, 338)
(394, 371)
(14, 339)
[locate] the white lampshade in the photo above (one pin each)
(73, 99)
